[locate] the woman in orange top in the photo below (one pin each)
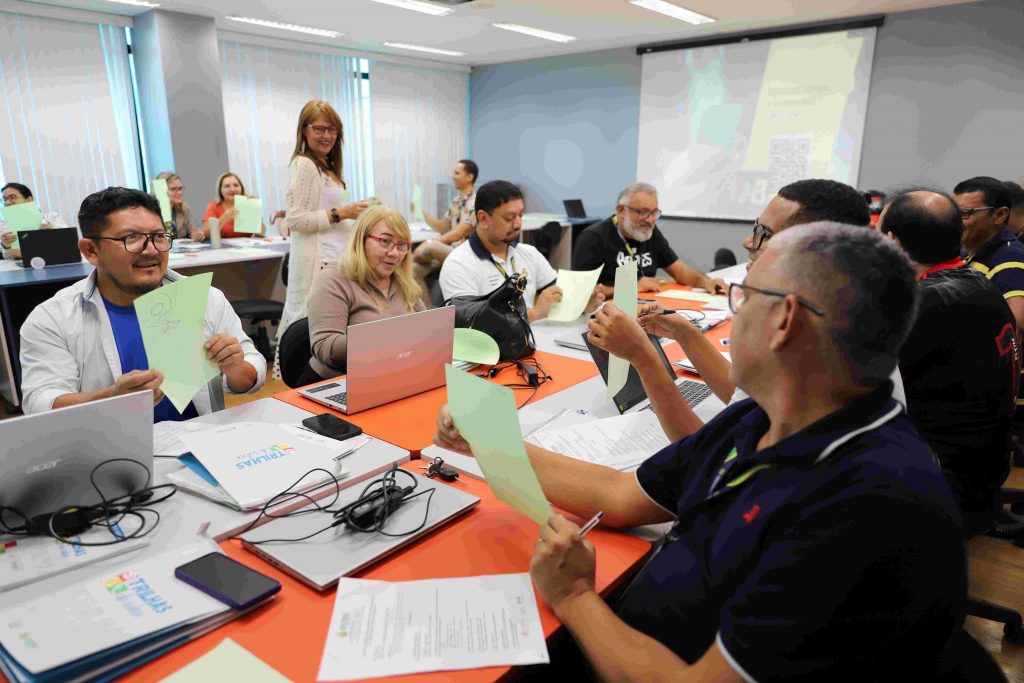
(229, 186)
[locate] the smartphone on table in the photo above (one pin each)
(332, 426)
(227, 580)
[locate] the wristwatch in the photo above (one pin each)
(335, 218)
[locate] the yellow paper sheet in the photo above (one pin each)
(577, 287)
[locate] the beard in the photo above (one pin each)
(635, 232)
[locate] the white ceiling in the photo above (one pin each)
(597, 24)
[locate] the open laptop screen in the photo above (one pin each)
(633, 392)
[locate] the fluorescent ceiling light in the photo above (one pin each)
(431, 50)
(417, 6)
(288, 27)
(135, 3)
(536, 32)
(674, 11)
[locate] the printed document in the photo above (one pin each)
(621, 442)
(381, 628)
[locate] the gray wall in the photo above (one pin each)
(946, 103)
(178, 68)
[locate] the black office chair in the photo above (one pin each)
(1008, 526)
(260, 311)
(547, 238)
(294, 352)
(724, 258)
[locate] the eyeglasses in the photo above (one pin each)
(322, 130)
(135, 242)
(644, 214)
(737, 295)
(967, 213)
(387, 244)
(762, 234)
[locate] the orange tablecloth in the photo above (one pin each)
(409, 423)
(289, 634)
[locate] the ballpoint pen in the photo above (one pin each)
(591, 524)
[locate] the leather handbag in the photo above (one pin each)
(500, 314)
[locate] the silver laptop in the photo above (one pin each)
(632, 397)
(390, 359)
(321, 560)
(46, 459)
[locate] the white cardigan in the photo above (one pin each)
(307, 221)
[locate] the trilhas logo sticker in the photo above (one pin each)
(262, 455)
(135, 594)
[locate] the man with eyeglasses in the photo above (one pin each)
(632, 234)
(813, 535)
(990, 247)
(85, 344)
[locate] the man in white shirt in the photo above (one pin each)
(84, 343)
(493, 253)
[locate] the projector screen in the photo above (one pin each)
(723, 127)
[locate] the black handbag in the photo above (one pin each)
(501, 314)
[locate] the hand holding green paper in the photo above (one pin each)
(577, 288)
(625, 301)
(485, 415)
(22, 218)
(250, 214)
(417, 204)
(164, 199)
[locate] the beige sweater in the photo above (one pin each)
(335, 302)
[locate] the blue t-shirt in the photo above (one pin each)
(805, 569)
(132, 352)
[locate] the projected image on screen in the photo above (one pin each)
(723, 127)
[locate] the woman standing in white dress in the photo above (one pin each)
(319, 216)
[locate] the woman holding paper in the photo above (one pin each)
(229, 186)
(372, 280)
(182, 223)
(16, 193)
(319, 216)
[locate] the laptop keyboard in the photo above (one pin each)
(342, 398)
(693, 392)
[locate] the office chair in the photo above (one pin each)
(724, 258)
(259, 311)
(1008, 526)
(294, 351)
(547, 238)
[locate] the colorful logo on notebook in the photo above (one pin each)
(135, 594)
(262, 455)
(4, 547)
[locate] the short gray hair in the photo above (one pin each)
(864, 283)
(629, 190)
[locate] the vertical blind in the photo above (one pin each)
(264, 89)
(66, 103)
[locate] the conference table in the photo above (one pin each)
(245, 268)
(289, 633)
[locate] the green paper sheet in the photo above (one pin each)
(250, 214)
(229, 661)
(485, 414)
(22, 218)
(171, 321)
(164, 199)
(474, 346)
(686, 295)
(577, 287)
(417, 203)
(249, 250)
(625, 301)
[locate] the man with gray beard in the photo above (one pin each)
(632, 234)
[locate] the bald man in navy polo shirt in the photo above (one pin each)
(814, 535)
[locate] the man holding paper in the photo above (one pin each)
(797, 548)
(86, 343)
(631, 235)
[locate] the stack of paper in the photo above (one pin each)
(380, 628)
(245, 464)
(26, 559)
(621, 442)
(108, 622)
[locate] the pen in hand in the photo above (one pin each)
(591, 524)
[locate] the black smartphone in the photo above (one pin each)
(332, 426)
(227, 580)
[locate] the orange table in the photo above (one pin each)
(493, 538)
(673, 351)
(410, 422)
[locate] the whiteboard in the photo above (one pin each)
(723, 127)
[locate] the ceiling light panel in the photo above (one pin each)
(288, 27)
(417, 6)
(536, 32)
(431, 50)
(674, 11)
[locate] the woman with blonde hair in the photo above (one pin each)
(182, 224)
(229, 186)
(372, 280)
(319, 216)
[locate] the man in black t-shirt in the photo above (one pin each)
(1016, 222)
(960, 362)
(631, 234)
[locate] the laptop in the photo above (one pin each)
(632, 398)
(390, 359)
(46, 459)
(574, 208)
(321, 560)
(55, 246)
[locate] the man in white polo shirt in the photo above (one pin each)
(493, 253)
